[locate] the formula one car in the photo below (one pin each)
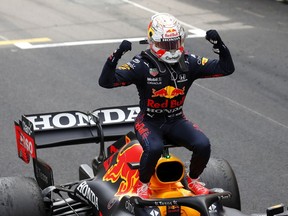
(107, 187)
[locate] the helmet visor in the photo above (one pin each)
(169, 45)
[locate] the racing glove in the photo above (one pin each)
(218, 46)
(117, 54)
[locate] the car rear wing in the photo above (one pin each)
(45, 130)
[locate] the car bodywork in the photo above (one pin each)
(107, 188)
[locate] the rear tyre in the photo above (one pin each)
(219, 174)
(20, 196)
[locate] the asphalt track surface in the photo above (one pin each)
(52, 53)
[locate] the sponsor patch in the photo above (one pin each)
(25, 140)
(88, 194)
(168, 92)
(154, 80)
(71, 119)
(204, 61)
(182, 78)
(124, 67)
(153, 72)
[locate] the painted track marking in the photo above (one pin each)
(32, 40)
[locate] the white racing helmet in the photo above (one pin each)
(166, 37)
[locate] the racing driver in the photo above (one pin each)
(163, 75)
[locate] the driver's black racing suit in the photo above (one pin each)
(162, 90)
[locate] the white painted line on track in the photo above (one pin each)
(202, 33)
(194, 33)
(250, 12)
(153, 12)
(242, 106)
(140, 6)
(27, 45)
(3, 38)
(75, 43)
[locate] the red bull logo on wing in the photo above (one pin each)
(121, 171)
(168, 92)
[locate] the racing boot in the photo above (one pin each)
(196, 186)
(143, 190)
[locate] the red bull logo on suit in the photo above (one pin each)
(168, 92)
